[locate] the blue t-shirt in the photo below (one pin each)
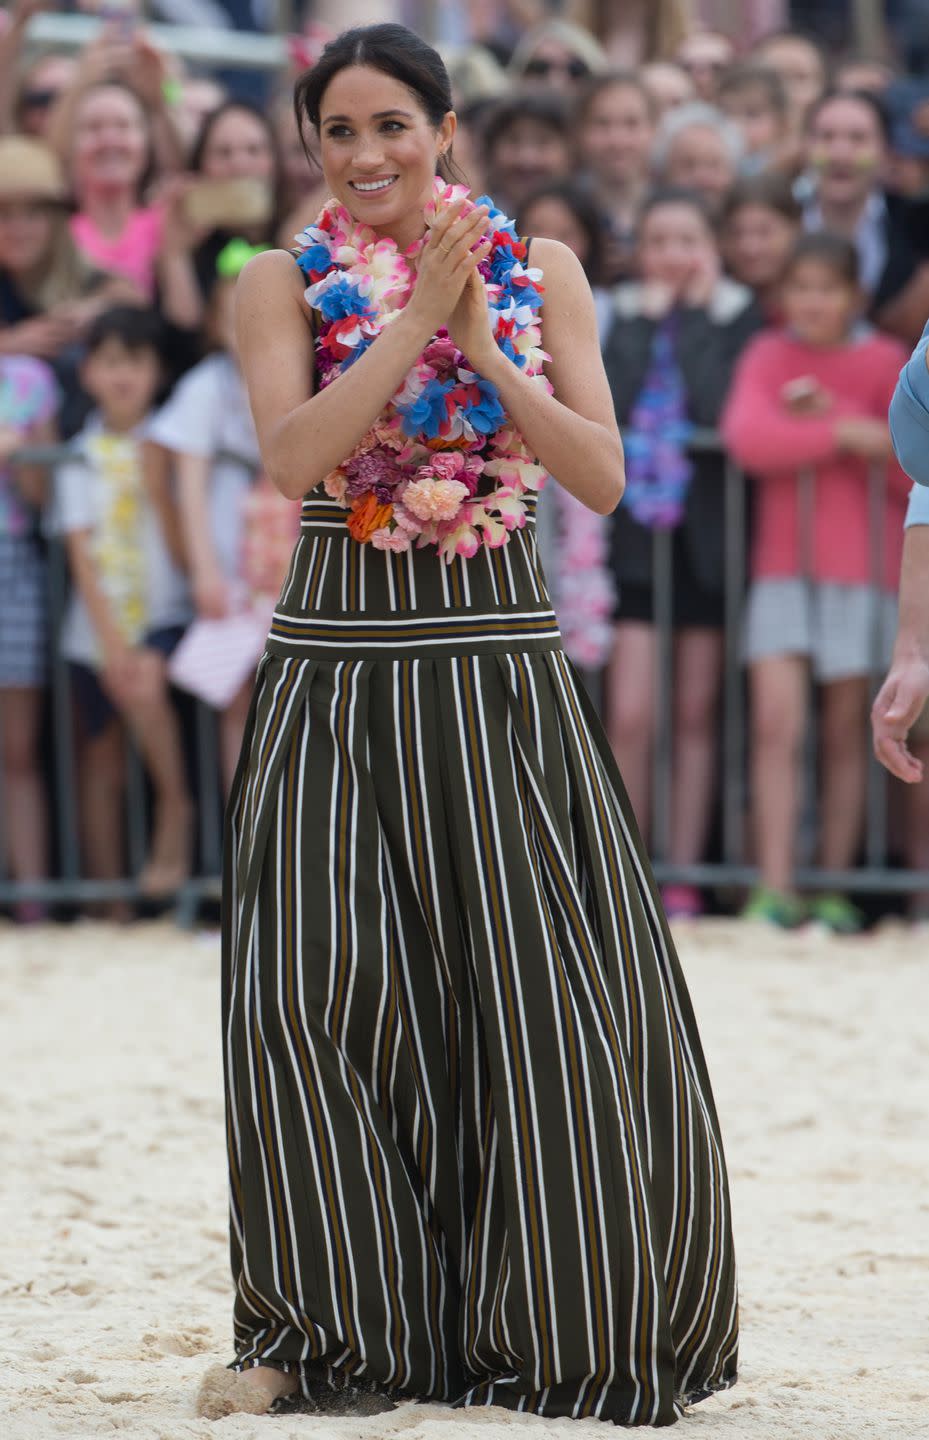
(909, 429)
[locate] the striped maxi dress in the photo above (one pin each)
(473, 1149)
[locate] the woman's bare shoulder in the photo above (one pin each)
(271, 272)
(557, 260)
(269, 294)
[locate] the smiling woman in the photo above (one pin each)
(473, 1150)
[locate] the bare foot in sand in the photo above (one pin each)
(248, 1392)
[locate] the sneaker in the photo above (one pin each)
(682, 902)
(775, 908)
(837, 913)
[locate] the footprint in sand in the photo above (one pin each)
(193, 1340)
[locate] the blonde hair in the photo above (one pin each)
(578, 39)
(667, 24)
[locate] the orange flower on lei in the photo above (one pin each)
(367, 516)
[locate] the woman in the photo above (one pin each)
(669, 358)
(49, 293)
(699, 149)
(453, 1173)
(236, 142)
(614, 130)
(555, 56)
(109, 158)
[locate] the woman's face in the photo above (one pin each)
(616, 137)
(110, 143)
(378, 148)
(553, 66)
(552, 219)
(705, 55)
(674, 244)
(847, 149)
(238, 148)
(818, 304)
(757, 241)
(27, 229)
(527, 154)
(700, 160)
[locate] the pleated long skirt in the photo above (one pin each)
(473, 1150)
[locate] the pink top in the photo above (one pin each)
(775, 445)
(131, 254)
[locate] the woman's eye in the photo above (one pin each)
(393, 125)
(336, 132)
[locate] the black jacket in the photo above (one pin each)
(709, 342)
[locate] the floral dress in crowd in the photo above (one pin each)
(28, 397)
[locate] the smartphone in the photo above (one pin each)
(225, 204)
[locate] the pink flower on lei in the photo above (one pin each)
(396, 540)
(432, 499)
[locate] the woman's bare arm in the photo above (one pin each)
(573, 433)
(302, 440)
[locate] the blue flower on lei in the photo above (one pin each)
(429, 411)
(342, 299)
(317, 255)
(488, 414)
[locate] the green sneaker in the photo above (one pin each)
(775, 908)
(837, 913)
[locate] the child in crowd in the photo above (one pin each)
(755, 98)
(207, 426)
(812, 399)
(760, 223)
(128, 608)
(614, 128)
(669, 357)
(28, 403)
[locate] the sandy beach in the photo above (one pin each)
(114, 1287)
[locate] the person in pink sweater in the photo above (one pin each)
(807, 417)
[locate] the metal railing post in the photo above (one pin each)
(663, 756)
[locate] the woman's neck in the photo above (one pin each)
(405, 232)
(108, 211)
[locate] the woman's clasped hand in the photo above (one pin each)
(451, 255)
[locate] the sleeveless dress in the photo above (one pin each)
(474, 1155)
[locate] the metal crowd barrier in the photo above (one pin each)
(876, 874)
(732, 869)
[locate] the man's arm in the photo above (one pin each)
(906, 689)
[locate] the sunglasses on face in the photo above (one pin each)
(575, 68)
(38, 99)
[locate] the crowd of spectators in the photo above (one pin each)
(752, 212)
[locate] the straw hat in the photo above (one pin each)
(27, 167)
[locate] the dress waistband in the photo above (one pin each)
(370, 637)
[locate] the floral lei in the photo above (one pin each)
(441, 465)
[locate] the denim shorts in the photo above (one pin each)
(95, 707)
